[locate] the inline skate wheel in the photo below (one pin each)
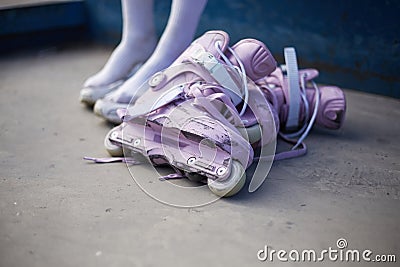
(112, 149)
(232, 185)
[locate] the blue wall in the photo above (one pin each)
(31, 26)
(354, 43)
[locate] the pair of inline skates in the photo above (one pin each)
(217, 109)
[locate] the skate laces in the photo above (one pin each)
(241, 71)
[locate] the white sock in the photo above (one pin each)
(137, 43)
(177, 36)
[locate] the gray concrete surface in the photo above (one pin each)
(57, 210)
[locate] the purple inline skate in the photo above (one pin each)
(300, 103)
(207, 113)
(202, 114)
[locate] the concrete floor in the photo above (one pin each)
(58, 210)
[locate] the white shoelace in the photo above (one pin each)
(241, 71)
(305, 130)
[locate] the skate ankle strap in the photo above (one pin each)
(292, 72)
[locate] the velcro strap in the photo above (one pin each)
(292, 70)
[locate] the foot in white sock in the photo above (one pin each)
(121, 62)
(177, 36)
(137, 44)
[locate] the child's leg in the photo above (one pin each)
(177, 36)
(137, 43)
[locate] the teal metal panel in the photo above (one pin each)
(42, 17)
(354, 43)
(42, 25)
